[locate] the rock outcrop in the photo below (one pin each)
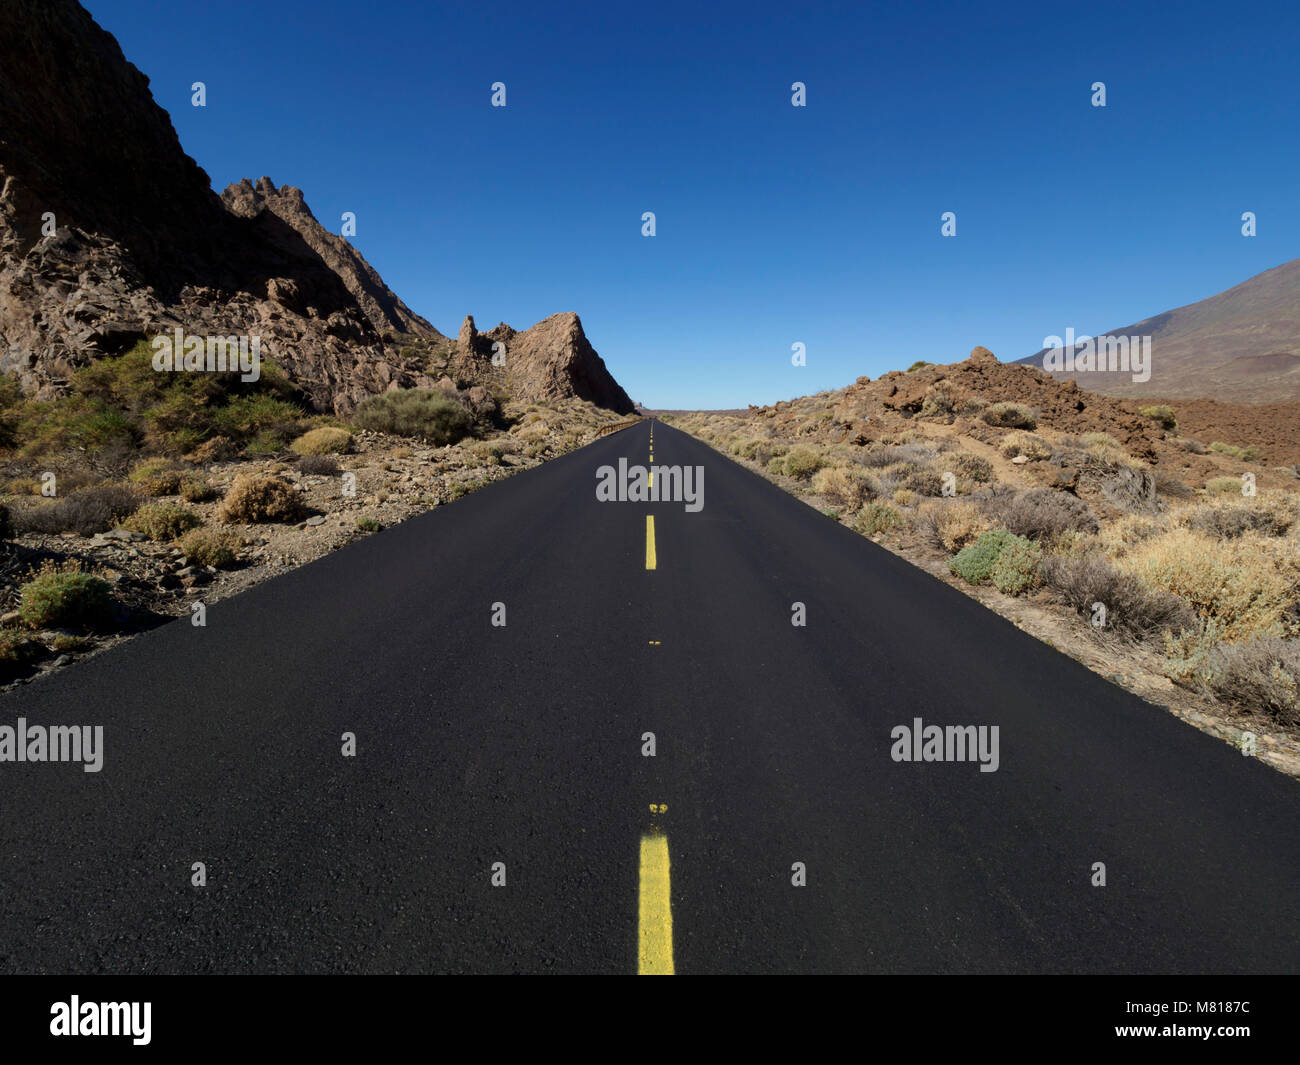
(109, 233)
(549, 361)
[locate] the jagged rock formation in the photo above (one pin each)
(551, 360)
(109, 232)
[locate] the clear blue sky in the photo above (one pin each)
(775, 224)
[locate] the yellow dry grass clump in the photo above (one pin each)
(1247, 585)
(956, 524)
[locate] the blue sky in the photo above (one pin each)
(775, 224)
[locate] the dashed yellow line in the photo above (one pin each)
(650, 559)
(655, 912)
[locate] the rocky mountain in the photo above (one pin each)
(109, 233)
(1242, 345)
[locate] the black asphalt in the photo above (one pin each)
(522, 745)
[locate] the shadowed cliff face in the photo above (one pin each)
(109, 232)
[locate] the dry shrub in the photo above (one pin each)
(953, 526)
(1162, 414)
(1131, 488)
(1010, 416)
(157, 477)
(1227, 521)
(1118, 536)
(210, 547)
(877, 518)
(1247, 585)
(801, 463)
(939, 401)
(1225, 486)
(1169, 485)
(1041, 513)
(218, 449)
(1131, 608)
(924, 481)
(86, 511)
(913, 454)
(1262, 676)
(196, 490)
(325, 440)
(534, 432)
(843, 486)
(1034, 448)
(162, 521)
(260, 498)
(319, 466)
(973, 467)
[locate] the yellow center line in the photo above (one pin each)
(650, 559)
(655, 913)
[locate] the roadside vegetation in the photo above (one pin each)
(1186, 555)
(135, 493)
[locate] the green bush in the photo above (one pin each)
(121, 402)
(428, 413)
(64, 596)
(877, 518)
(802, 463)
(1224, 486)
(974, 563)
(919, 364)
(1017, 569)
(1163, 414)
(1245, 454)
(368, 525)
(17, 653)
(162, 521)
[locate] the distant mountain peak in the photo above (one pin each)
(1237, 345)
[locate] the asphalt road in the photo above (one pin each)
(523, 745)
